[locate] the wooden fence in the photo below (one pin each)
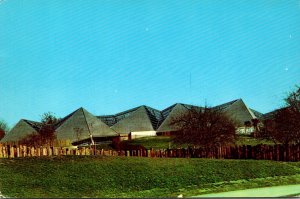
(259, 152)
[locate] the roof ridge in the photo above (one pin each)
(33, 124)
(153, 115)
(60, 122)
(249, 110)
(127, 111)
(147, 113)
(172, 106)
(88, 127)
(227, 103)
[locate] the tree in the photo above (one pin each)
(204, 127)
(247, 125)
(46, 132)
(3, 128)
(293, 100)
(284, 127)
(256, 124)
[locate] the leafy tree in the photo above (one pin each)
(3, 128)
(204, 127)
(284, 127)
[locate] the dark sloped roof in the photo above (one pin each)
(33, 124)
(154, 115)
(110, 120)
(237, 110)
(270, 115)
(78, 126)
(167, 111)
(60, 122)
(142, 118)
(172, 112)
(259, 115)
(225, 105)
(21, 130)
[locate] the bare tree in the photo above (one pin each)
(2, 133)
(256, 124)
(247, 125)
(3, 128)
(284, 127)
(46, 132)
(204, 127)
(293, 100)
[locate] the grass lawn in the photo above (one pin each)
(88, 176)
(156, 142)
(247, 140)
(164, 142)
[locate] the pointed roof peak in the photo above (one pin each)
(80, 109)
(226, 104)
(86, 122)
(22, 129)
(33, 124)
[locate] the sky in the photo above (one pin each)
(110, 56)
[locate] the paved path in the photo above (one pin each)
(277, 191)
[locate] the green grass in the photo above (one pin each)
(75, 176)
(156, 142)
(247, 140)
(164, 142)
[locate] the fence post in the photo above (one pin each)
(1, 151)
(148, 152)
(24, 151)
(288, 153)
(284, 153)
(38, 151)
(49, 151)
(32, 152)
(44, 151)
(11, 152)
(298, 152)
(4, 151)
(18, 152)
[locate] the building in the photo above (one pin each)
(21, 130)
(241, 114)
(140, 121)
(174, 111)
(81, 126)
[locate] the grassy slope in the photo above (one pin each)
(76, 176)
(163, 142)
(156, 142)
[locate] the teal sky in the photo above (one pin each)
(109, 56)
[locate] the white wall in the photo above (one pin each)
(245, 131)
(138, 134)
